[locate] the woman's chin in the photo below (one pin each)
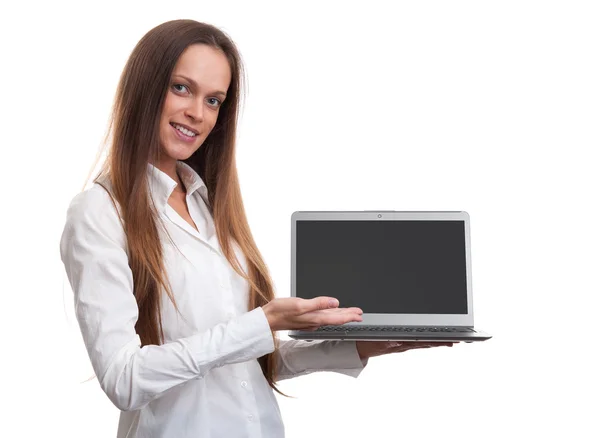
(182, 152)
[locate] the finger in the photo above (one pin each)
(441, 344)
(339, 317)
(414, 345)
(338, 310)
(346, 309)
(318, 303)
(354, 309)
(336, 319)
(407, 347)
(434, 344)
(331, 312)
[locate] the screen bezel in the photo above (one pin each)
(395, 319)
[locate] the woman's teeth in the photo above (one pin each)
(182, 129)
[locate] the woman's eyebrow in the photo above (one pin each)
(195, 84)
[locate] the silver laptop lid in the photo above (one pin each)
(399, 267)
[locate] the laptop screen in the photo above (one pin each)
(392, 266)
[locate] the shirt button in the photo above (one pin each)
(244, 384)
(250, 417)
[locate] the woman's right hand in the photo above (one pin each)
(301, 314)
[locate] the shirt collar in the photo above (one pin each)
(162, 185)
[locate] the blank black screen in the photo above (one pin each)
(384, 266)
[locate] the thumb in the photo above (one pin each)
(322, 303)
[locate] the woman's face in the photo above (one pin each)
(196, 92)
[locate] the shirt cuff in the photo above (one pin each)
(241, 339)
(346, 359)
(300, 357)
(262, 324)
(253, 327)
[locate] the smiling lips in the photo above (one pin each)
(185, 130)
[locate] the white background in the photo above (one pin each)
(488, 107)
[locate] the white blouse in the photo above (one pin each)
(204, 381)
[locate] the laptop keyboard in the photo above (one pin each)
(395, 329)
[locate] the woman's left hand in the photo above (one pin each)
(368, 349)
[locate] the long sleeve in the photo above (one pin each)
(297, 358)
(93, 250)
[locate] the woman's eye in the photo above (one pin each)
(179, 85)
(217, 101)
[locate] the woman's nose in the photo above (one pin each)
(195, 110)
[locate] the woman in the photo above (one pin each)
(174, 301)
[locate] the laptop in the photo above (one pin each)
(409, 271)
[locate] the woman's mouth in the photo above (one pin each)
(184, 133)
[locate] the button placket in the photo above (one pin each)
(222, 278)
(224, 285)
(246, 394)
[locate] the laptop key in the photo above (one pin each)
(357, 328)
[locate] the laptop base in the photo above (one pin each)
(410, 335)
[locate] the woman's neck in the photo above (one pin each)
(170, 169)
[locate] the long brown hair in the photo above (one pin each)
(134, 133)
